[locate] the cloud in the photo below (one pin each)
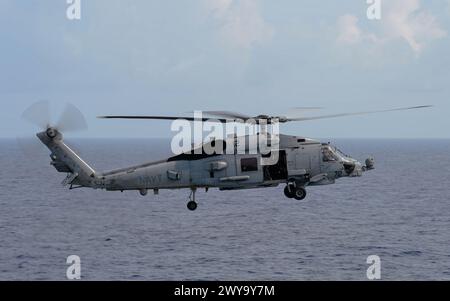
(406, 20)
(219, 7)
(241, 24)
(401, 20)
(349, 31)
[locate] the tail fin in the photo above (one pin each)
(64, 159)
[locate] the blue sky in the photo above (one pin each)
(172, 57)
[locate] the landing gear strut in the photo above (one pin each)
(192, 205)
(289, 191)
(293, 190)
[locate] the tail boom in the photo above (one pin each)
(64, 159)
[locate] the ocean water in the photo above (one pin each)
(400, 211)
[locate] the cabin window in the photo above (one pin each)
(249, 164)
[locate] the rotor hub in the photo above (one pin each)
(51, 133)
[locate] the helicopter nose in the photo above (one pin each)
(353, 169)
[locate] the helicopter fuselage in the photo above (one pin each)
(301, 162)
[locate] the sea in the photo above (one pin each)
(398, 212)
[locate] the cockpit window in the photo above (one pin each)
(341, 153)
(328, 154)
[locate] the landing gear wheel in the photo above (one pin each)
(300, 193)
(289, 193)
(191, 205)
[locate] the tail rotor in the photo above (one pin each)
(40, 116)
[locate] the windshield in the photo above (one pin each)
(341, 153)
(328, 154)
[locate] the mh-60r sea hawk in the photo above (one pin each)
(301, 161)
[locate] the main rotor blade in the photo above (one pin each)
(38, 114)
(306, 108)
(296, 112)
(228, 114)
(163, 118)
(355, 113)
(71, 120)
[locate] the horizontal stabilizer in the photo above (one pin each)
(69, 179)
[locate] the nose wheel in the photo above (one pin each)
(192, 204)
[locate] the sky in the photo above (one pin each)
(155, 57)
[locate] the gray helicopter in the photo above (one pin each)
(301, 161)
